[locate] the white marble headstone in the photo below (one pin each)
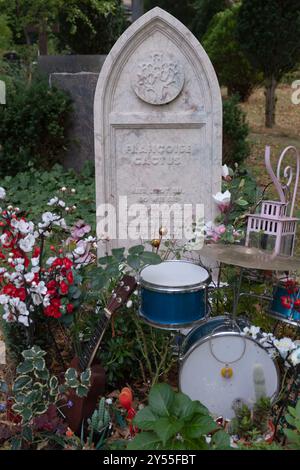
(157, 119)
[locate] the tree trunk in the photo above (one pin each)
(270, 94)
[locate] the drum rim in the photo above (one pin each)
(173, 326)
(229, 333)
(175, 289)
(282, 318)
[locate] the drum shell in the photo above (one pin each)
(173, 309)
(200, 374)
(289, 315)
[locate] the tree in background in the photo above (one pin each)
(204, 11)
(182, 10)
(232, 67)
(5, 33)
(269, 33)
(91, 26)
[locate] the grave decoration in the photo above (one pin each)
(274, 228)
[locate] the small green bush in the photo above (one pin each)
(235, 132)
(33, 126)
(230, 62)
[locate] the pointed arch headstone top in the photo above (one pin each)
(158, 118)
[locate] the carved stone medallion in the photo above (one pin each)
(158, 79)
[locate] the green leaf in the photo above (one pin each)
(220, 440)
(199, 426)
(241, 202)
(150, 258)
(27, 434)
(42, 374)
(41, 408)
(105, 260)
(85, 377)
(118, 253)
(145, 419)
(16, 443)
(71, 374)
(39, 364)
(21, 382)
(25, 367)
(53, 382)
(144, 441)
(166, 428)
(134, 262)
(183, 407)
(82, 390)
(136, 250)
(26, 414)
(161, 398)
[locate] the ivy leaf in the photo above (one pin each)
(161, 397)
(39, 364)
(26, 414)
(25, 367)
(82, 390)
(21, 382)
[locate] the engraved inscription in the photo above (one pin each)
(157, 154)
(158, 80)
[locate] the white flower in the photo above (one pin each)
(61, 203)
(4, 299)
(252, 331)
(41, 288)
(26, 244)
(53, 201)
(50, 260)
(22, 308)
(80, 250)
(90, 239)
(36, 299)
(35, 269)
(222, 198)
(46, 300)
(108, 401)
(24, 320)
(129, 304)
(19, 267)
(9, 316)
(4, 239)
(25, 227)
(35, 261)
(19, 260)
(295, 357)
(225, 171)
(29, 277)
(284, 346)
(2, 193)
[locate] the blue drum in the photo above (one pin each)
(173, 294)
(280, 312)
(219, 366)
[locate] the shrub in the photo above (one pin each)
(232, 67)
(91, 26)
(205, 10)
(5, 33)
(33, 126)
(31, 189)
(235, 132)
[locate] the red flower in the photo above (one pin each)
(51, 287)
(64, 287)
(55, 302)
(36, 252)
(297, 304)
(286, 302)
(70, 277)
(10, 290)
(21, 293)
(51, 311)
(2, 256)
(67, 263)
(57, 262)
(70, 308)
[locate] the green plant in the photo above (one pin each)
(269, 34)
(91, 26)
(33, 126)
(261, 414)
(227, 56)
(5, 33)
(172, 421)
(34, 390)
(242, 424)
(293, 433)
(204, 12)
(100, 418)
(235, 132)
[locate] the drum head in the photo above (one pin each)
(174, 274)
(201, 373)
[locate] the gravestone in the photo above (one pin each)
(157, 121)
